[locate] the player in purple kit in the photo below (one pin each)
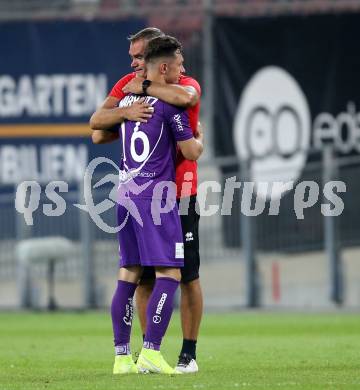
(147, 210)
(185, 94)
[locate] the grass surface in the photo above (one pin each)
(243, 350)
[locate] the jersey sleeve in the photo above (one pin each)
(178, 120)
(117, 91)
(189, 81)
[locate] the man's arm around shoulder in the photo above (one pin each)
(109, 115)
(102, 119)
(178, 95)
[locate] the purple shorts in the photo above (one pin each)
(158, 242)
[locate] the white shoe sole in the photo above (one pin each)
(191, 368)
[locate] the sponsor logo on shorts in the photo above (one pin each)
(179, 250)
(189, 236)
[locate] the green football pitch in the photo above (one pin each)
(243, 350)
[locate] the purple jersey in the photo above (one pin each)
(149, 149)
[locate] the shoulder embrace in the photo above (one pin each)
(188, 81)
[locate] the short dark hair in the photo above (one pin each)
(146, 34)
(164, 46)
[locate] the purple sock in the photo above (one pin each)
(121, 315)
(159, 310)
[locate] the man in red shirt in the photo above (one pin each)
(185, 94)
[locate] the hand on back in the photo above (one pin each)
(134, 86)
(139, 111)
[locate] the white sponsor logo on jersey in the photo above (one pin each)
(179, 125)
